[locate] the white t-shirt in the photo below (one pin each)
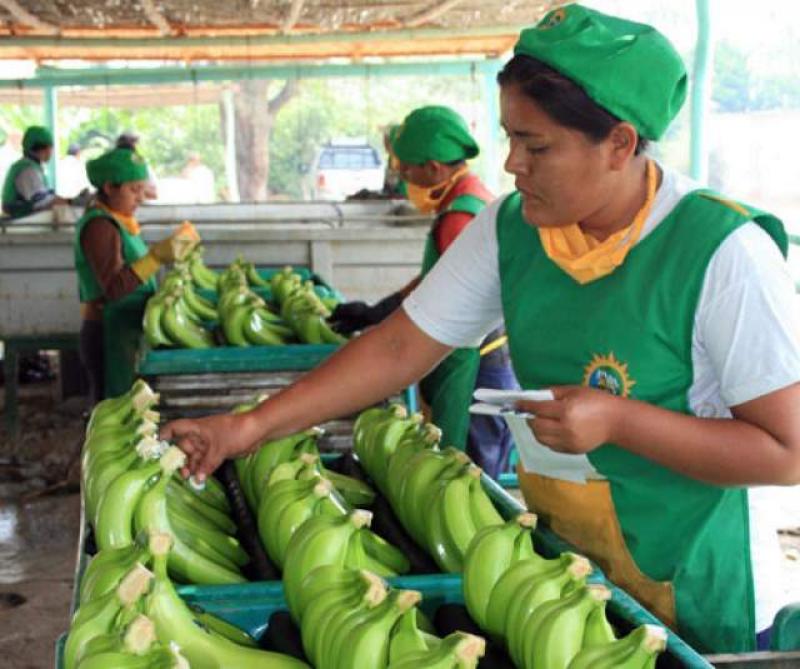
(744, 344)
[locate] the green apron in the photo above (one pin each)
(681, 546)
(122, 318)
(13, 202)
(448, 388)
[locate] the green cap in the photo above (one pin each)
(628, 68)
(36, 135)
(117, 166)
(433, 133)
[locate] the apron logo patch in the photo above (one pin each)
(607, 373)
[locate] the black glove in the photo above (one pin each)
(351, 316)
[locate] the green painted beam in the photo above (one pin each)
(46, 77)
(51, 122)
(702, 76)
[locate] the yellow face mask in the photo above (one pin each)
(422, 196)
(583, 257)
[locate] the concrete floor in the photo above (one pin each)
(37, 560)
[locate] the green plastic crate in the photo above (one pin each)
(292, 357)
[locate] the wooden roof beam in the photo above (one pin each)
(292, 17)
(23, 16)
(431, 14)
(155, 17)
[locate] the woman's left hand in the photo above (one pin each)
(578, 420)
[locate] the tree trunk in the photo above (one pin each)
(254, 118)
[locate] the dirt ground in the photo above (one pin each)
(39, 522)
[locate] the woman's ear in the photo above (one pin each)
(622, 141)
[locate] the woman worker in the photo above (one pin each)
(660, 314)
(430, 149)
(116, 270)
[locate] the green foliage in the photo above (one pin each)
(738, 89)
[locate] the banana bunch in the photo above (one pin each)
(295, 492)
(350, 620)
(204, 647)
(245, 317)
(490, 555)
(255, 469)
(176, 314)
(202, 276)
(120, 432)
(339, 540)
(303, 309)
(456, 651)
(131, 647)
(106, 613)
(542, 610)
(113, 593)
(204, 551)
(436, 494)
(639, 650)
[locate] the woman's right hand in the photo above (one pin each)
(208, 441)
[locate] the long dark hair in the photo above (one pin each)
(561, 98)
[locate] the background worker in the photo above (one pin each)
(661, 315)
(116, 270)
(430, 150)
(25, 189)
(130, 140)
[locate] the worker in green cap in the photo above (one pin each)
(431, 148)
(651, 321)
(116, 270)
(25, 189)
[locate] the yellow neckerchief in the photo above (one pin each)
(130, 223)
(421, 196)
(583, 257)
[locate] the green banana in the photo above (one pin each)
(366, 646)
(408, 638)
(554, 637)
(98, 617)
(545, 588)
(491, 553)
(261, 332)
(136, 638)
(211, 493)
(201, 307)
(181, 329)
(115, 511)
(326, 616)
(118, 410)
(355, 492)
(422, 471)
(457, 651)
(223, 627)
(203, 648)
(383, 552)
(107, 569)
(233, 325)
(159, 658)
(185, 563)
(319, 541)
(321, 580)
(637, 650)
(598, 630)
(151, 323)
(410, 445)
(518, 577)
(193, 503)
